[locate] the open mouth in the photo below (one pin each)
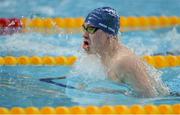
(86, 45)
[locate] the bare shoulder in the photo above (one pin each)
(122, 67)
(130, 63)
(127, 59)
(126, 63)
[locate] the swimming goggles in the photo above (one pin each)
(90, 29)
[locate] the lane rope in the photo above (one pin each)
(106, 109)
(126, 23)
(157, 61)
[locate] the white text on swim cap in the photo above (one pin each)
(105, 26)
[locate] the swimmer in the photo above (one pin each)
(101, 28)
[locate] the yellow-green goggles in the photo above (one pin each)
(90, 29)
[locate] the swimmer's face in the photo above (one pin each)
(94, 39)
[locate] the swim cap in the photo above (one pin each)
(104, 18)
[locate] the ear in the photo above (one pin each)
(107, 35)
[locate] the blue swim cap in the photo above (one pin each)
(104, 18)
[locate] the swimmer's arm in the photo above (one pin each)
(140, 80)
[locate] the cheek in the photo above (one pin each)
(100, 41)
(97, 40)
(93, 39)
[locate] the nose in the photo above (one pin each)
(86, 35)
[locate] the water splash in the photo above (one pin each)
(160, 88)
(89, 67)
(37, 44)
(173, 39)
(153, 42)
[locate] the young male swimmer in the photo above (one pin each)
(101, 28)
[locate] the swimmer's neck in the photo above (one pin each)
(109, 53)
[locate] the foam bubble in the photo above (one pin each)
(89, 67)
(37, 44)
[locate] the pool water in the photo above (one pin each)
(21, 85)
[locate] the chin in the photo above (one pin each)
(89, 51)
